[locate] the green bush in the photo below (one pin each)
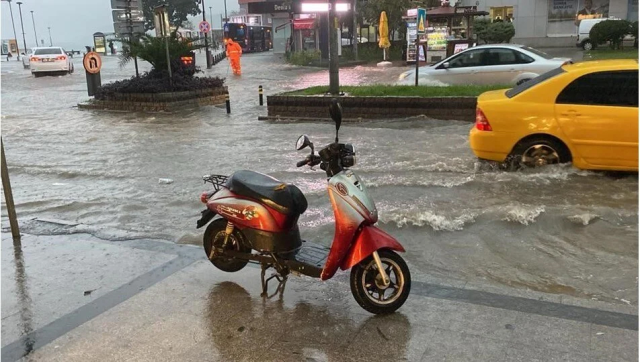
(480, 27)
(304, 57)
(634, 33)
(372, 53)
(500, 32)
(611, 31)
(153, 50)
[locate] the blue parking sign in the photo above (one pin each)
(421, 23)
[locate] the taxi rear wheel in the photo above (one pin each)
(537, 152)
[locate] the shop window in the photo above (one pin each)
(504, 13)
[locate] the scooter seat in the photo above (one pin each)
(286, 199)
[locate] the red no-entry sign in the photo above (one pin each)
(204, 26)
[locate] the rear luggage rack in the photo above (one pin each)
(216, 180)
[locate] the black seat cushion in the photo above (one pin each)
(286, 199)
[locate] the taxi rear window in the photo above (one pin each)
(535, 81)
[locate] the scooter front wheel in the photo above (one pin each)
(214, 235)
(370, 291)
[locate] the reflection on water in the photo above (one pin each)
(260, 328)
(24, 299)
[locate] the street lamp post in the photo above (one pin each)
(35, 33)
(211, 24)
(14, 30)
(50, 41)
(24, 40)
(206, 38)
(334, 77)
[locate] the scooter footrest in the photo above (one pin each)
(312, 254)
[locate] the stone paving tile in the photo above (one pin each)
(453, 346)
(557, 334)
(613, 344)
(523, 353)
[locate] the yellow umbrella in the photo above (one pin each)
(383, 30)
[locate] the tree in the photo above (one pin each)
(178, 11)
(612, 31)
(480, 28)
(500, 32)
(152, 50)
(634, 33)
(370, 11)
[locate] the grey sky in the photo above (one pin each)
(73, 22)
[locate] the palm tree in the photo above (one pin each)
(152, 50)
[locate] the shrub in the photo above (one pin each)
(153, 50)
(372, 53)
(157, 81)
(500, 32)
(612, 31)
(304, 57)
(480, 28)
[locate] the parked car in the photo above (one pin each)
(487, 64)
(584, 28)
(25, 58)
(585, 113)
(50, 60)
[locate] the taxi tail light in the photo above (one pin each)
(61, 57)
(482, 123)
(34, 59)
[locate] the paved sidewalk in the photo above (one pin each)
(79, 298)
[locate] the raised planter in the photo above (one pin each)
(445, 108)
(159, 102)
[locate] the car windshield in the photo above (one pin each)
(535, 81)
(48, 51)
(537, 52)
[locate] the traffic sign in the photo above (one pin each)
(92, 62)
(121, 16)
(204, 26)
(126, 28)
(124, 4)
(422, 21)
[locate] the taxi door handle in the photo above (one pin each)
(570, 114)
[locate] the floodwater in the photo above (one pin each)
(556, 230)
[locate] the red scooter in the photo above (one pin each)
(256, 221)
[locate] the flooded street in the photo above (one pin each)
(557, 230)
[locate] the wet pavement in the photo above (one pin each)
(180, 308)
(556, 235)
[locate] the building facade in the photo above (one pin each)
(551, 23)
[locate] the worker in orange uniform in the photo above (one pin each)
(234, 51)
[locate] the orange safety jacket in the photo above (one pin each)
(234, 50)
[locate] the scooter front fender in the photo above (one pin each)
(369, 240)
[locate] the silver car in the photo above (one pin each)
(487, 64)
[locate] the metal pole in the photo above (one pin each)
(355, 31)
(206, 38)
(226, 18)
(334, 76)
(24, 40)
(166, 43)
(8, 197)
(35, 33)
(211, 25)
(14, 30)
(418, 57)
(50, 41)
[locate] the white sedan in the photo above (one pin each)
(50, 60)
(507, 64)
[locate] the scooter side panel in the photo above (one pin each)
(369, 240)
(246, 213)
(348, 220)
(351, 188)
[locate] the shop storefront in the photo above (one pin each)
(553, 22)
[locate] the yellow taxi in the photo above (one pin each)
(585, 113)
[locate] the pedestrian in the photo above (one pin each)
(112, 48)
(9, 55)
(234, 51)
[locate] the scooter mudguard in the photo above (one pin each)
(207, 215)
(370, 239)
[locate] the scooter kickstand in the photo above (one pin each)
(282, 281)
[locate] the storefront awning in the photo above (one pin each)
(301, 24)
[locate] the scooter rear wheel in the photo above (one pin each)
(369, 290)
(214, 235)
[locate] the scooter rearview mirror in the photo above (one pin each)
(302, 142)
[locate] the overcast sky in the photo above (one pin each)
(73, 22)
